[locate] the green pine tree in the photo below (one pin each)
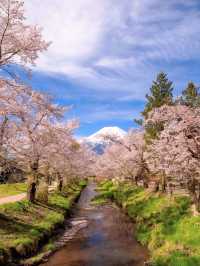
(161, 93)
(191, 95)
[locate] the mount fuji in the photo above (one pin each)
(97, 141)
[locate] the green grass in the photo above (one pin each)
(12, 189)
(38, 258)
(23, 225)
(98, 200)
(165, 225)
(58, 201)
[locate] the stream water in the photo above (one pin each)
(107, 240)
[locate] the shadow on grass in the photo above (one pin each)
(11, 225)
(52, 207)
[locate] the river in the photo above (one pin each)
(107, 240)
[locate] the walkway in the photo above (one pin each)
(14, 198)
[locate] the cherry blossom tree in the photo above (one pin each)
(123, 159)
(64, 158)
(34, 134)
(30, 115)
(8, 117)
(176, 153)
(60, 150)
(32, 129)
(82, 161)
(19, 43)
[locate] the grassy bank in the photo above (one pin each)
(24, 226)
(164, 224)
(7, 190)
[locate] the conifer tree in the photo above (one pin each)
(161, 93)
(191, 95)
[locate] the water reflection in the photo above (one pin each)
(107, 241)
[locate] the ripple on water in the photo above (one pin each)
(105, 241)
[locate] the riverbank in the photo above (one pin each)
(104, 240)
(25, 227)
(165, 225)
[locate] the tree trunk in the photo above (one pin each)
(163, 183)
(145, 183)
(156, 186)
(192, 190)
(60, 182)
(198, 199)
(43, 191)
(60, 185)
(136, 181)
(171, 186)
(31, 193)
(32, 182)
(46, 187)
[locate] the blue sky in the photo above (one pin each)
(105, 54)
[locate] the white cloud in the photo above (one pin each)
(115, 62)
(74, 27)
(112, 44)
(108, 114)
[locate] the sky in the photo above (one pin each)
(104, 54)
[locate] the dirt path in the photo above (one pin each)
(14, 198)
(21, 196)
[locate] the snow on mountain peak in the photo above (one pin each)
(97, 141)
(110, 131)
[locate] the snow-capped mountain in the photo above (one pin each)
(97, 140)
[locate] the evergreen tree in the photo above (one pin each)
(161, 93)
(191, 95)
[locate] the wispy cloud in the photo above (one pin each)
(110, 50)
(108, 115)
(91, 37)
